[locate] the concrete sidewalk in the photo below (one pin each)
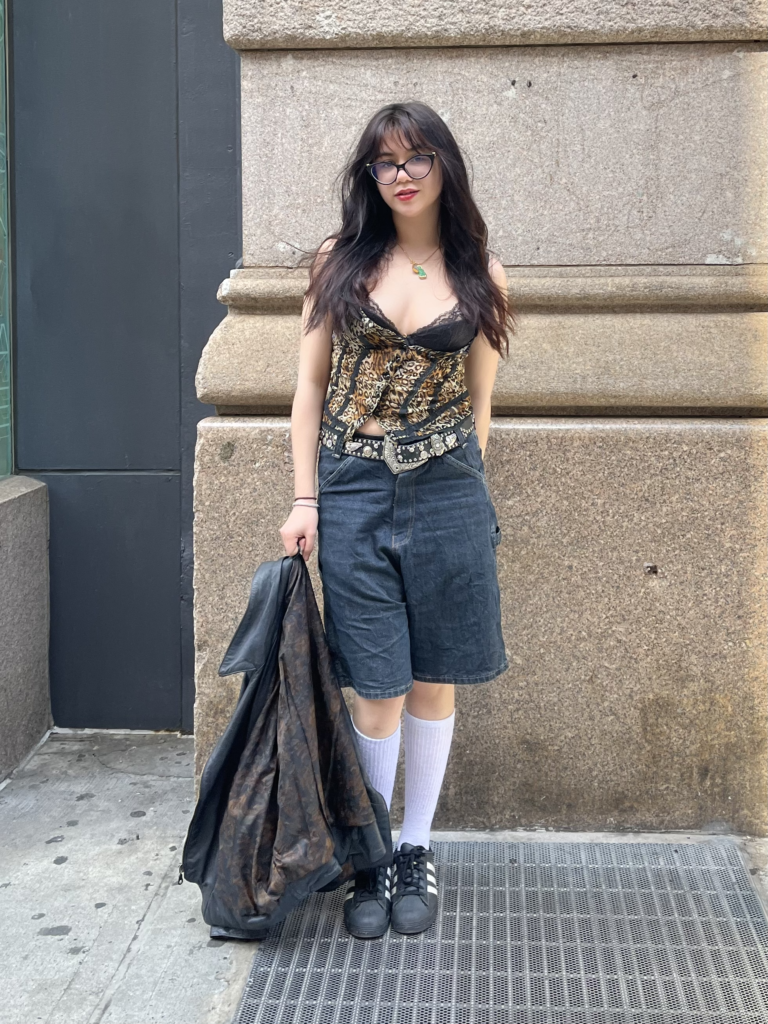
(95, 929)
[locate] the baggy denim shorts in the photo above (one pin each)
(408, 569)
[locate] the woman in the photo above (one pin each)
(404, 321)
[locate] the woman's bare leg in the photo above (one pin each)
(377, 718)
(428, 733)
(377, 723)
(430, 701)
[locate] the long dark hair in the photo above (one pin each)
(339, 276)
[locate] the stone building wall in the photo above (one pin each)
(619, 160)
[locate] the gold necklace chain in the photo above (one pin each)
(417, 267)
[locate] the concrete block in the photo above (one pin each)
(242, 495)
(630, 154)
(633, 576)
(25, 711)
(293, 24)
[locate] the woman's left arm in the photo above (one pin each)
(480, 369)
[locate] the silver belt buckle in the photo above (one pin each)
(390, 457)
(437, 444)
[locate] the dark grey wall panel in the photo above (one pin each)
(115, 612)
(96, 234)
(125, 153)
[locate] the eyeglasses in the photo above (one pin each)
(385, 172)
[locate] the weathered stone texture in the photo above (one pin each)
(294, 24)
(24, 618)
(650, 154)
(635, 696)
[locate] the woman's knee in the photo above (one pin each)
(431, 701)
(377, 718)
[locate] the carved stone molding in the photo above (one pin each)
(334, 24)
(554, 289)
(590, 341)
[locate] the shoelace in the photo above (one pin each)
(373, 887)
(412, 870)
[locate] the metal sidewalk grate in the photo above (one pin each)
(535, 933)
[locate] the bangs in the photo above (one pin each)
(403, 129)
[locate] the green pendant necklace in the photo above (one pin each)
(417, 268)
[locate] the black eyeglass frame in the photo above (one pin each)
(399, 167)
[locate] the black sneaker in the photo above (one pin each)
(414, 890)
(368, 903)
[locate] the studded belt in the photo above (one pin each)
(400, 456)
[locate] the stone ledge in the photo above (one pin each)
(537, 289)
(306, 24)
(683, 363)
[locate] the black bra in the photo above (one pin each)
(448, 332)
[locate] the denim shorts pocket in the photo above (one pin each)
(329, 467)
(465, 460)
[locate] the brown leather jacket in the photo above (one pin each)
(285, 807)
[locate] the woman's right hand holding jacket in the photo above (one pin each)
(300, 529)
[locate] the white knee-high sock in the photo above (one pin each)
(379, 757)
(427, 745)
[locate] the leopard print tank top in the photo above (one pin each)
(413, 384)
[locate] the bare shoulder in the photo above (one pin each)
(497, 272)
(326, 247)
(321, 255)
